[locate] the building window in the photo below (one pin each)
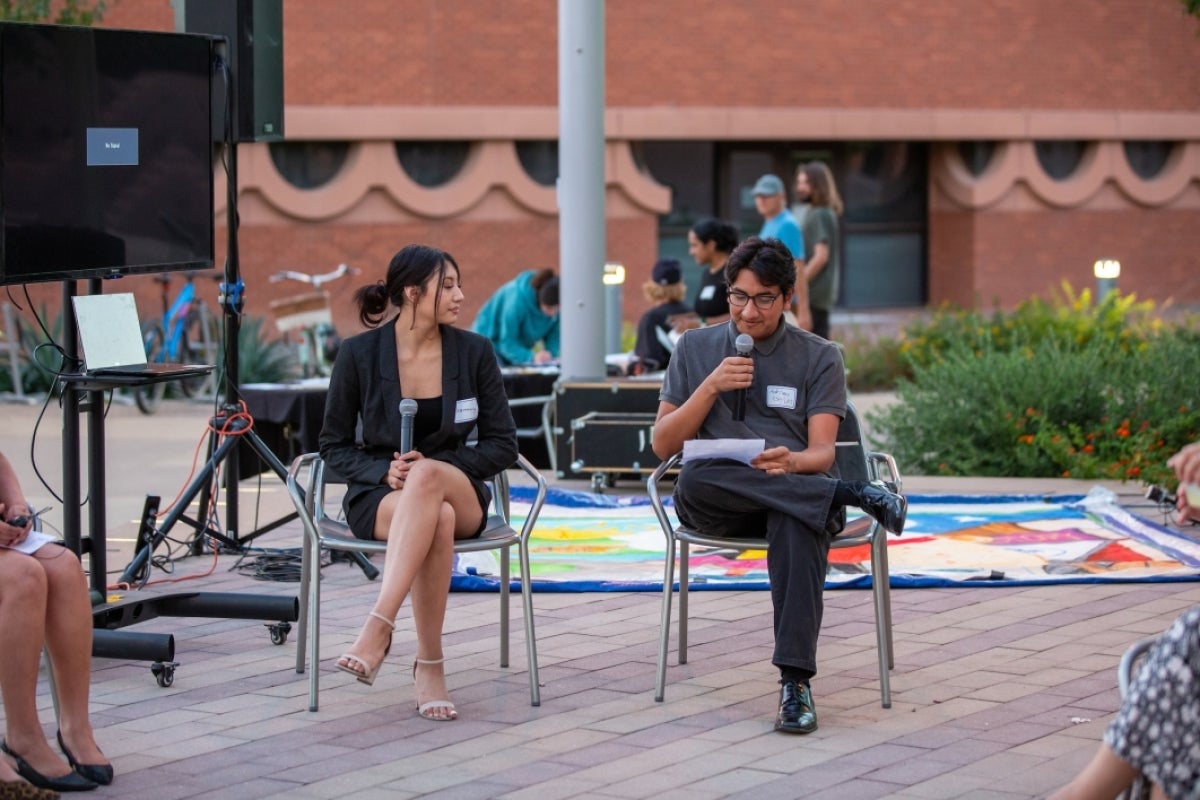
(540, 160)
(1060, 159)
(1147, 159)
(976, 156)
(432, 163)
(308, 165)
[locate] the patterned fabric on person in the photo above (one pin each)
(1158, 727)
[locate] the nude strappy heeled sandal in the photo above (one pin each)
(424, 708)
(368, 672)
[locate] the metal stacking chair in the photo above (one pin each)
(855, 462)
(1140, 788)
(322, 531)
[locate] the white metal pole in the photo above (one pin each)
(581, 185)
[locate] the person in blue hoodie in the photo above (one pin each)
(522, 313)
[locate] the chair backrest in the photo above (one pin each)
(851, 450)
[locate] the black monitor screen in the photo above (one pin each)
(106, 161)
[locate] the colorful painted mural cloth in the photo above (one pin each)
(586, 542)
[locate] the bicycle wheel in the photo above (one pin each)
(201, 345)
(148, 395)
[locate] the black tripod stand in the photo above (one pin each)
(235, 426)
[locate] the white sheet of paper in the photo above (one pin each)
(738, 449)
(32, 542)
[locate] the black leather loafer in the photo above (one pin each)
(71, 782)
(889, 509)
(96, 773)
(797, 714)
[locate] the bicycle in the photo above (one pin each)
(187, 333)
(310, 314)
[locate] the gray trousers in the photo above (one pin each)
(727, 498)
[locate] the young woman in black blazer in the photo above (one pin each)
(422, 500)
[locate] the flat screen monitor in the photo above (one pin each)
(106, 155)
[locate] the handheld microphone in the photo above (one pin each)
(744, 344)
(408, 410)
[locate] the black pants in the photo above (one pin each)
(727, 498)
(820, 318)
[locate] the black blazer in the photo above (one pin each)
(365, 384)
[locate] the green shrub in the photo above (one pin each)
(262, 359)
(1105, 404)
(873, 366)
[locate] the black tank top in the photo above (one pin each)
(428, 419)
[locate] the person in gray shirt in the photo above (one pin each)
(795, 397)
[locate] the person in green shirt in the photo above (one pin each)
(822, 245)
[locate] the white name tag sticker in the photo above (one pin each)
(707, 293)
(781, 397)
(466, 410)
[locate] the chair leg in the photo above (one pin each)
(683, 601)
(879, 592)
(302, 623)
(664, 622)
(314, 632)
(505, 577)
(886, 572)
(53, 686)
(535, 690)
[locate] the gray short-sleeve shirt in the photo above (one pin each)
(796, 375)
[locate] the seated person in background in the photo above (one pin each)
(522, 313)
(43, 602)
(1157, 730)
(710, 241)
(795, 397)
(657, 329)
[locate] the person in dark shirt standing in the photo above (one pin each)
(710, 241)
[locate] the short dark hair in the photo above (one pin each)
(769, 259)
(724, 234)
(547, 293)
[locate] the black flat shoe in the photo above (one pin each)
(889, 510)
(71, 782)
(797, 714)
(96, 773)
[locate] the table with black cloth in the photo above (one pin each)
(288, 416)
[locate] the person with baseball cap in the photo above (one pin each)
(770, 199)
(658, 328)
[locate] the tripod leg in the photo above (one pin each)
(279, 469)
(142, 557)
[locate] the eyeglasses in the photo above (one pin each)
(764, 301)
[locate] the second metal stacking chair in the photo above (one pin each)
(322, 531)
(856, 463)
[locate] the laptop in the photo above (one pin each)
(111, 336)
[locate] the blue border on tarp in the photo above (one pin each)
(479, 583)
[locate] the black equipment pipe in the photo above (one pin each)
(132, 645)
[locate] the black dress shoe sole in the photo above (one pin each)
(796, 729)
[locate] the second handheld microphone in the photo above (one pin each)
(743, 344)
(408, 411)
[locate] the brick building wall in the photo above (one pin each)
(1011, 70)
